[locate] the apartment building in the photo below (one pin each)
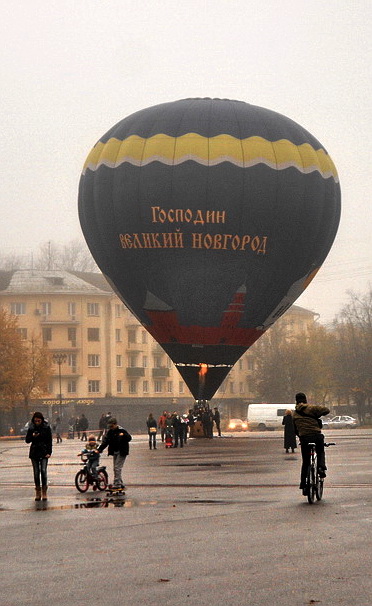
(108, 359)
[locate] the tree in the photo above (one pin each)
(37, 369)
(12, 357)
(353, 329)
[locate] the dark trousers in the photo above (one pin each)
(178, 435)
(318, 440)
(152, 440)
(40, 470)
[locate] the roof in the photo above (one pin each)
(53, 281)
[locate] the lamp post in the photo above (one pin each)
(59, 358)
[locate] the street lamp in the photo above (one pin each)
(59, 358)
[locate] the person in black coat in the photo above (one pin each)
(289, 431)
(152, 428)
(117, 439)
(40, 436)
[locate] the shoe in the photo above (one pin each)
(322, 473)
(305, 492)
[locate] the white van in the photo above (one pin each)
(266, 416)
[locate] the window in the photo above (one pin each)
(93, 360)
(23, 333)
(71, 359)
(232, 387)
(157, 361)
(241, 387)
(170, 386)
(169, 363)
(144, 337)
(117, 310)
(119, 386)
(93, 309)
(145, 387)
(240, 364)
(132, 360)
(158, 386)
(250, 364)
(119, 361)
(117, 335)
(71, 335)
(18, 309)
(47, 334)
(132, 386)
(46, 308)
(93, 334)
(71, 309)
(93, 386)
(132, 335)
(71, 386)
(181, 386)
(144, 361)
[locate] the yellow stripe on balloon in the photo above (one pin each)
(244, 153)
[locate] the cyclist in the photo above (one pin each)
(91, 450)
(307, 422)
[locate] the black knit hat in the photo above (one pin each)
(301, 398)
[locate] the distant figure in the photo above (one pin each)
(40, 436)
(83, 426)
(57, 429)
(162, 424)
(289, 432)
(102, 426)
(217, 420)
(152, 429)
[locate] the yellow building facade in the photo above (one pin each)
(106, 351)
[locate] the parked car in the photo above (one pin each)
(340, 422)
(237, 425)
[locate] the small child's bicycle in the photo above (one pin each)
(314, 483)
(84, 478)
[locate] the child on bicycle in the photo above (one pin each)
(91, 451)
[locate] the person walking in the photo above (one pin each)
(306, 418)
(83, 425)
(117, 440)
(289, 432)
(39, 435)
(152, 428)
(57, 428)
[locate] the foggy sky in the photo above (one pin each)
(70, 70)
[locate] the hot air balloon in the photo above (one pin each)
(209, 217)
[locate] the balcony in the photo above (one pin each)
(49, 320)
(135, 371)
(159, 373)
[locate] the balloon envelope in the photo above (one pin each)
(209, 218)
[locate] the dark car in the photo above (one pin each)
(340, 422)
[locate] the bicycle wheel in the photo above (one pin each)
(311, 488)
(101, 482)
(81, 481)
(319, 487)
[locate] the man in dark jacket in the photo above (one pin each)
(306, 419)
(117, 439)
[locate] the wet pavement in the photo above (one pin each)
(218, 522)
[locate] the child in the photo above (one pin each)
(93, 455)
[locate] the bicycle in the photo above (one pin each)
(84, 478)
(314, 483)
